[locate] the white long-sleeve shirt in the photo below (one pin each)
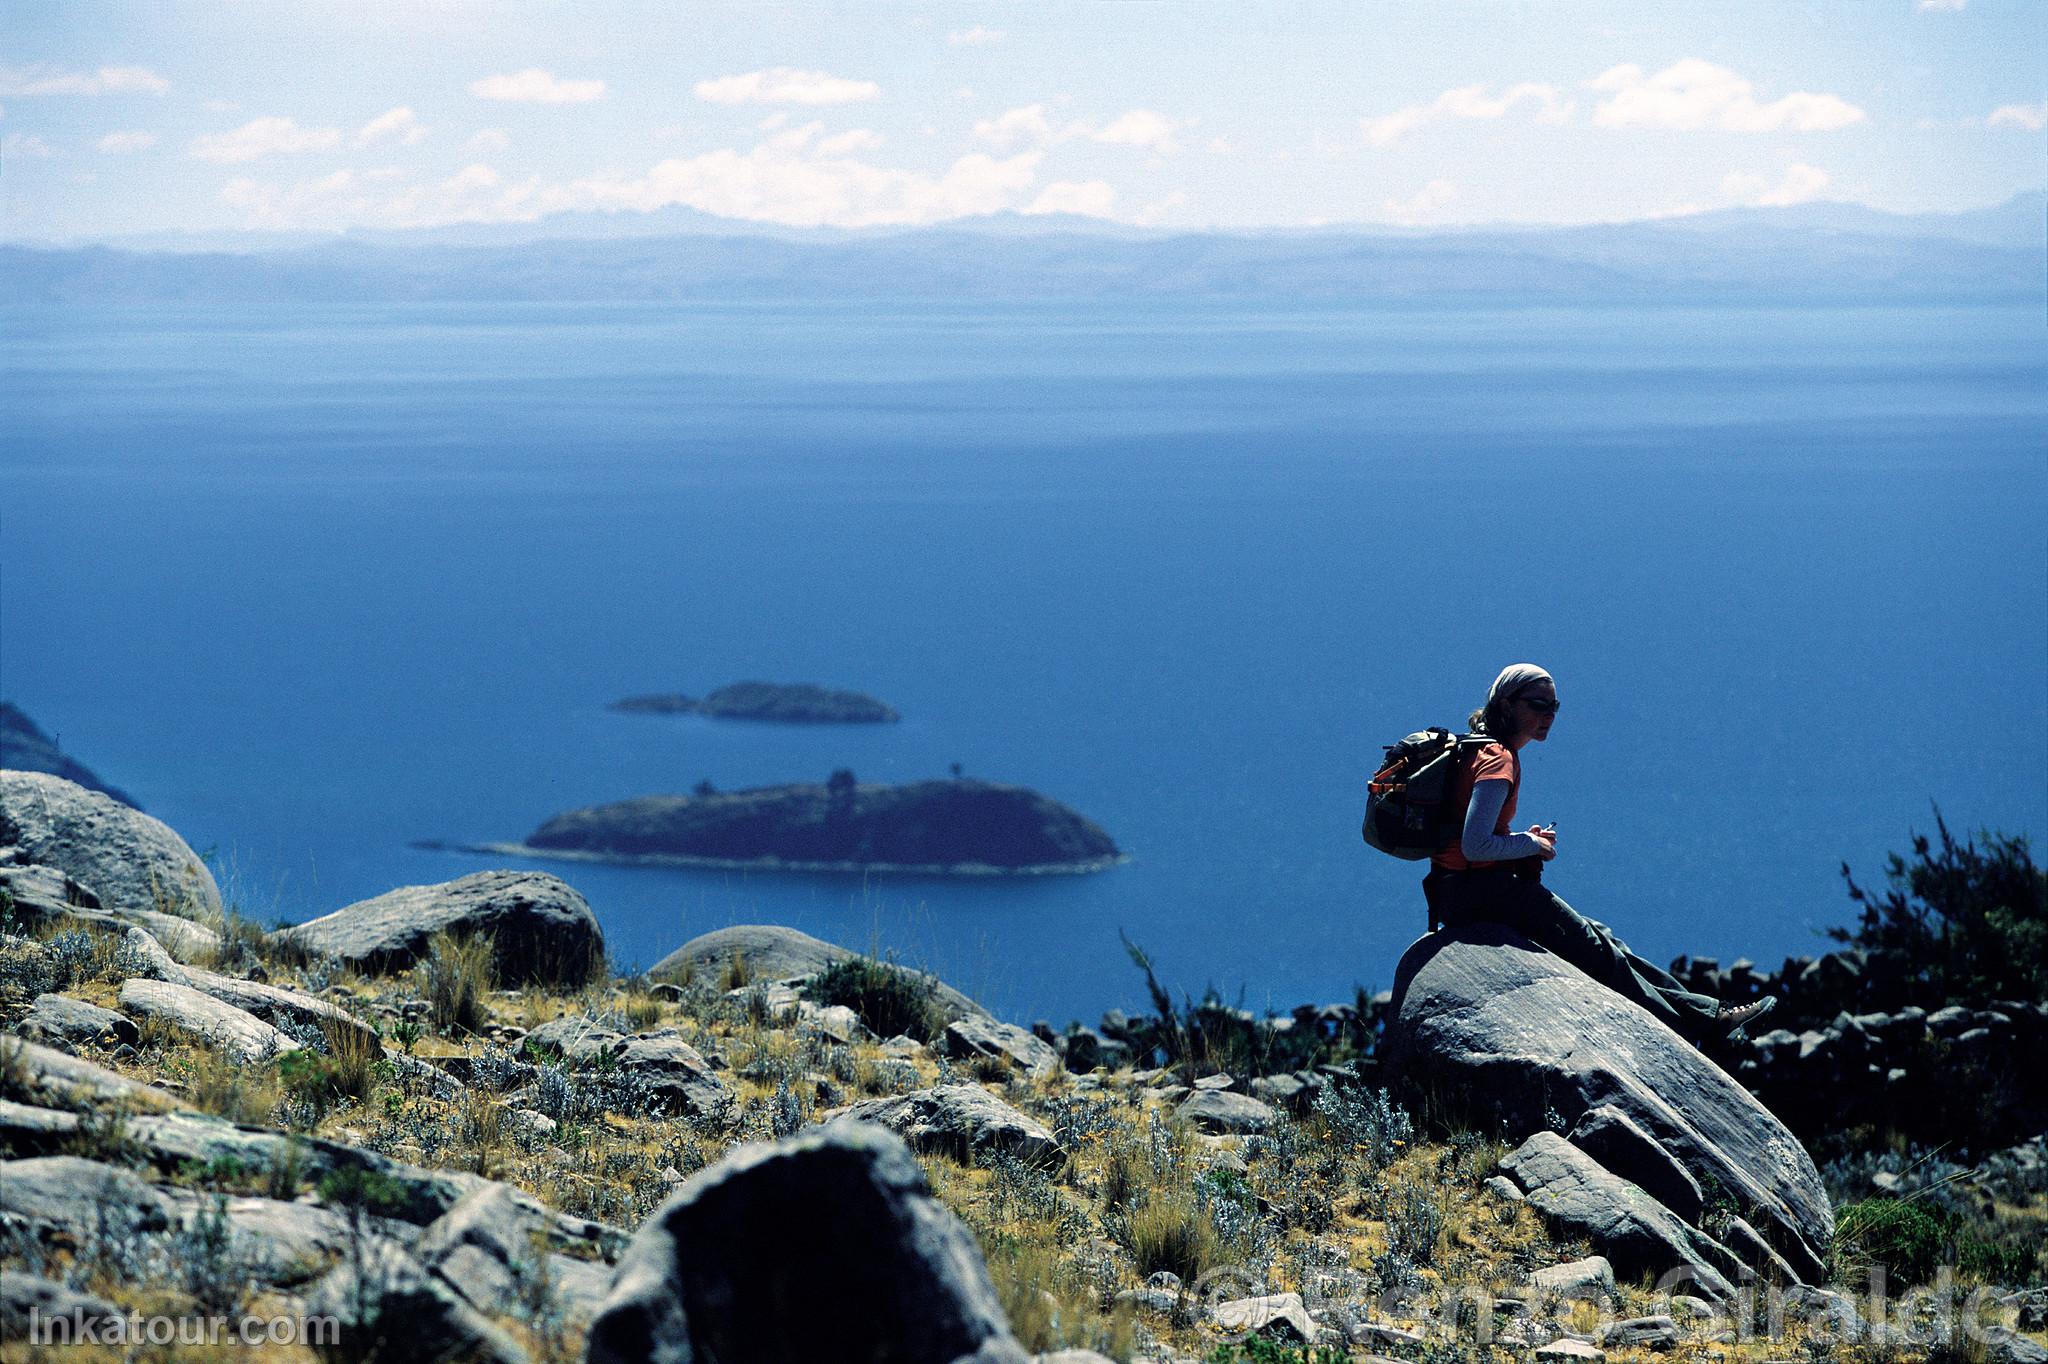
(1480, 843)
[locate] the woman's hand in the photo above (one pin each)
(1547, 837)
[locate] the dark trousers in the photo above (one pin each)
(1519, 900)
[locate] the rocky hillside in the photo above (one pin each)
(440, 1121)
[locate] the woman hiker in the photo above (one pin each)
(1491, 874)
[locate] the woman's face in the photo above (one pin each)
(1536, 709)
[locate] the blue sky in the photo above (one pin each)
(324, 115)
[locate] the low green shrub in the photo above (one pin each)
(887, 999)
(1908, 1240)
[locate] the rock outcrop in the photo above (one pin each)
(542, 930)
(130, 861)
(1495, 1024)
(889, 1275)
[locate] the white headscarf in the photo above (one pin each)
(1513, 678)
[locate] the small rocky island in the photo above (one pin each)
(25, 748)
(795, 703)
(955, 827)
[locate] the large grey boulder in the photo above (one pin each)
(61, 1080)
(543, 931)
(967, 1038)
(130, 860)
(206, 1018)
(772, 952)
(69, 1023)
(495, 1248)
(964, 1121)
(276, 1005)
(716, 1274)
(676, 1072)
(67, 1197)
(1487, 1019)
(1223, 1113)
(1634, 1231)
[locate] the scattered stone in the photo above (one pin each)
(966, 1038)
(1277, 1316)
(891, 1276)
(677, 1073)
(1384, 1336)
(835, 1021)
(26, 1298)
(1500, 1186)
(220, 1025)
(961, 1120)
(2003, 1345)
(1217, 1082)
(132, 862)
(1218, 1111)
(1566, 1348)
(1591, 1279)
(1640, 1333)
(65, 1022)
(541, 929)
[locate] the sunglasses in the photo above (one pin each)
(1540, 707)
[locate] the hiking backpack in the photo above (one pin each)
(1407, 809)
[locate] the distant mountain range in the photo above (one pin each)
(1811, 252)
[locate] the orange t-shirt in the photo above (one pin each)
(1494, 762)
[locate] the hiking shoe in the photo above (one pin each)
(1734, 1017)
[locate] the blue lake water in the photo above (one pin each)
(317, 583)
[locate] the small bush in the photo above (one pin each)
(733, 973)
(1965, 924)
(1908, 1240)
(887, 999)
(1170, 1229)
(455, 975)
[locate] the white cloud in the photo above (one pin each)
(107, 80)
(1800, 184)
(263, 137)
(2032, 117)
(1014, 127)
(488, 140)
(474, 177)
(1141, 128)
(400, 123)
(1089, 198)
(850, 141)
(1467, 101)
(1693, 94)
(223, 106)
(976, 36)
(1949, 5)
(786, 85)
(25, 145)
(535, 86)
(127, 142)
(1422, 206)
(1219, 146)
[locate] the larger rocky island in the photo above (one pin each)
(794, 703)
(955, 827)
